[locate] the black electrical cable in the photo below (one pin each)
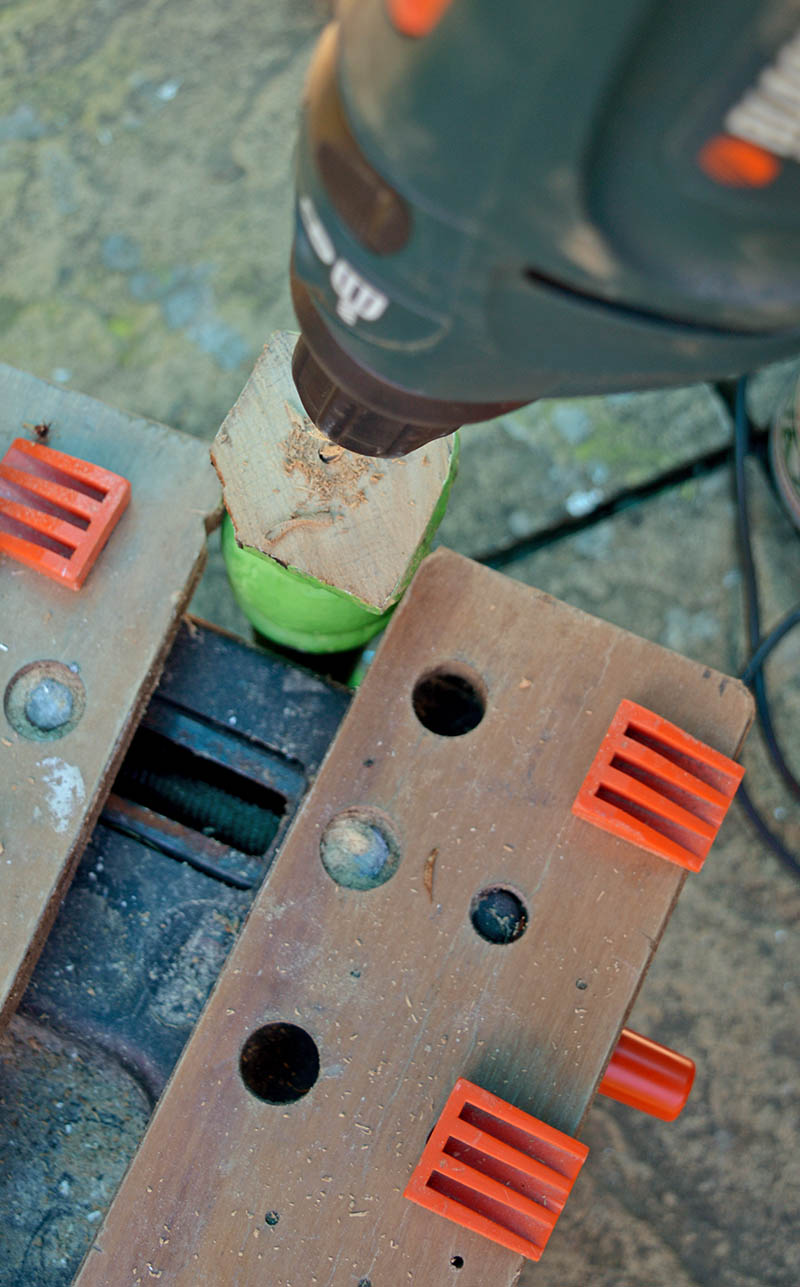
(758, 681)
(768, 643)
(753, 674)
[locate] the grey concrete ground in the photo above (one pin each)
(144, 222)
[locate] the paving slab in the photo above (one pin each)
(769, 388)
(145, 194)
(213, 599)
(711, 1198)
(75, 1118)
(560, 459)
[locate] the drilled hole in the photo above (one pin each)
(450, 700)
(359, 849)
(498, 915)
(457, 1262)
(279, 1063)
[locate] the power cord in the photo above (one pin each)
(760, 648)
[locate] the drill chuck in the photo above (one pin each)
(358, 409)
(346, 420)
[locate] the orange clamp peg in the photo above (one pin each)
(56, 511)
(496, 1170)
(657, 787)
(648, 1076)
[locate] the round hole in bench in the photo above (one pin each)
(279, 1063)
(498, 915)
(450, 700)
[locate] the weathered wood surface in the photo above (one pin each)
(398, 992)
(348, 520)
(116, 631)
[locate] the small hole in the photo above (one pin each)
(581, 985)
(279, 1063)
(498, 915)
(450, 700)
(457, 1262)
(271, 1217)
(359, 849)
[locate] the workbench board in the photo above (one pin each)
(112, 635)
(399, 993)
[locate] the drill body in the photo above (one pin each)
(535, 200)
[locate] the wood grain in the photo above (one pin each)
(117, 631)
(399, 993)
(347, 520)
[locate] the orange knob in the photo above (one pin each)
(647, 1076)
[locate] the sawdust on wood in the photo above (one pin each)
(331, 479)
(427, 875)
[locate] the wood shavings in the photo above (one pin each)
(427, 875)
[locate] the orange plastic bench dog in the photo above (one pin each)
(657, 787)
(648, 1076)
(56, 511)
(496, 1170)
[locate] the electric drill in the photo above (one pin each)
(498, 202)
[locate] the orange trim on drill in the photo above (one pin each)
(738, 163)
(417, 17)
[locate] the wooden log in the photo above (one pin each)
(465, 747)
(346, 520)
(107, 643)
